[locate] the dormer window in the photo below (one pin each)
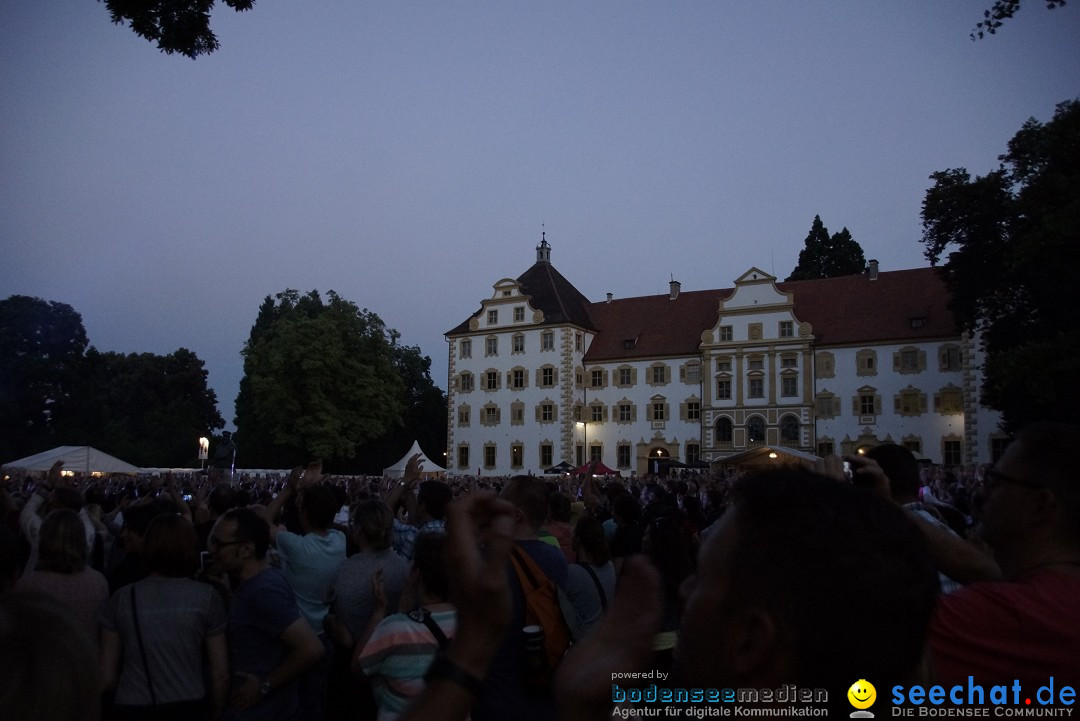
(629, 343)
(918, 321)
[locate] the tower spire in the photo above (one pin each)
(543, 251)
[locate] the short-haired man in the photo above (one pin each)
(270, 643)
(1027, 626)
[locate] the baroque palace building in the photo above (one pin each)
(541, 375)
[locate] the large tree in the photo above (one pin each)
(826, 256)
(41, 348)
(148, 409)
(1012, 239)
(319, 381)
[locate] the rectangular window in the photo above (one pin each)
(789, 361)
(547, 376)
(491, 346)
(755, 363)
(622, 456)
(658, 374)
(596, 415)
(517, 456)
(824, 406)
(466, 382)
(463, 416)
(825, 448)
(950, 453)
(547, 455)
(519, 314)
(787, 329)
(626, 413)
(463, 456)
(489, 456)
(625, 377)
(909, 360)
(596, 454)
(693, 373)
(517, 378)
(547, 340)
(866, 405)
(492, 382)
(491, 416)
(693, 411)
(725, 334)
(658, 412)
(547, 412)
(913, 446)
(518, 344)
(517, 414)
(493, 317)
(755, 388)
(693, 453)
(789, 386)
(578, 341)
(598, 379)
(950, 359)
(466, 349)
(723, 365)
(723, 389)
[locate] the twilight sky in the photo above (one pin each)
(405, 154)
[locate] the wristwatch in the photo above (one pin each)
(264, 689)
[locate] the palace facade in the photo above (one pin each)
(541, 375)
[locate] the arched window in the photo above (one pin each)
(725, 432)
(755, 430)
(789, 431)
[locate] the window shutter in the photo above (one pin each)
(835, 406)
(896, 361)
(922, 403)
(897, 404)
(682, 411)
(536, 413)
(922, 360)
(633, 411)
(877, 405)
(855, 405)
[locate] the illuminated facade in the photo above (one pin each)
(541, 375)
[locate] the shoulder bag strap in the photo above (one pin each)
(142, 648)
(440, 637)
(596, 580)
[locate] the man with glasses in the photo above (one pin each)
(1026, 626)
(270, 643)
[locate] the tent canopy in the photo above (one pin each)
(595, 468)
(428, 467)
(80, 459)
(563, 467)
(767, 456)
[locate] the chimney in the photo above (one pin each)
(609, 297)
(675, 286)
(871, 269)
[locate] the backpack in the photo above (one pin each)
(547, 606)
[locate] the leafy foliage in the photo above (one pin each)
(41, 347)
(828, 256)
(148, 409)
(177, 26)
(1001, 11)
(54, 390)
(320, 380)
(1013, 263)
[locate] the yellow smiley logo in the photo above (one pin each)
(862, 694)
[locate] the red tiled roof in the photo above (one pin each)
(844, 310)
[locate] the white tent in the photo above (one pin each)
(428, 467)
(80, 459)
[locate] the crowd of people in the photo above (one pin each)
(318, 597)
